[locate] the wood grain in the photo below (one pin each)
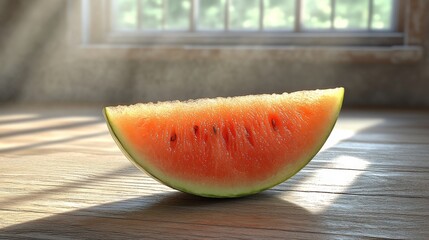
(62, 177)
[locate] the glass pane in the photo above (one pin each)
(151, 14)
(279, 14)
(177, 14)
(211, 14)
(316, 14)
(382, 12)
(124, 14)
(244, 14)
(351, 14)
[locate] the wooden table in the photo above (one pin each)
(62, 177)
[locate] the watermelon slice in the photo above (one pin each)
(226, 147)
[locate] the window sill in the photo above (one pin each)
(317, 54)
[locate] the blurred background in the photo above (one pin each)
(127, 51)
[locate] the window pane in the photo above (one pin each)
(316, 14)
(177, 14)
(211, 14)
(124, 14)
(279, 14)
(151, 14)
(244, 14)
(351, 14)
(382, 14)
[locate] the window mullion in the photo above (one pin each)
(333, 12)
(164, 13)
(261, 15)
(226, 17)
(297, 27)
(370, 11)
(193, 15)
(139, 15)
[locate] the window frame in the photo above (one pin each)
(296, 28)
(402, 45)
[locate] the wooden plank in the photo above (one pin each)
(107, 228)
(62, 176)
(267, 214)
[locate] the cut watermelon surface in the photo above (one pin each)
(226, 147)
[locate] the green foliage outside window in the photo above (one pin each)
(245, 14)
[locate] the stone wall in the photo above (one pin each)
(37, 65)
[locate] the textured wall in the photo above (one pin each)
(37, 66)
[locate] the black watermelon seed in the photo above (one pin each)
(196, 129)
(273, 124)
(173, 137)
(214, 129)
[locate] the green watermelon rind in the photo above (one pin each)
(284, 175)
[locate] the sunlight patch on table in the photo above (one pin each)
(345, 129)
(317, 192)
(336, 137)
(17, 117)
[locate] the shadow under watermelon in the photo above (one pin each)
(172, 215)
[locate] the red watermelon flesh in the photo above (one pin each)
(226, 147)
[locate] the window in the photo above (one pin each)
(252, 15)
(356, 30)
(257, 22)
